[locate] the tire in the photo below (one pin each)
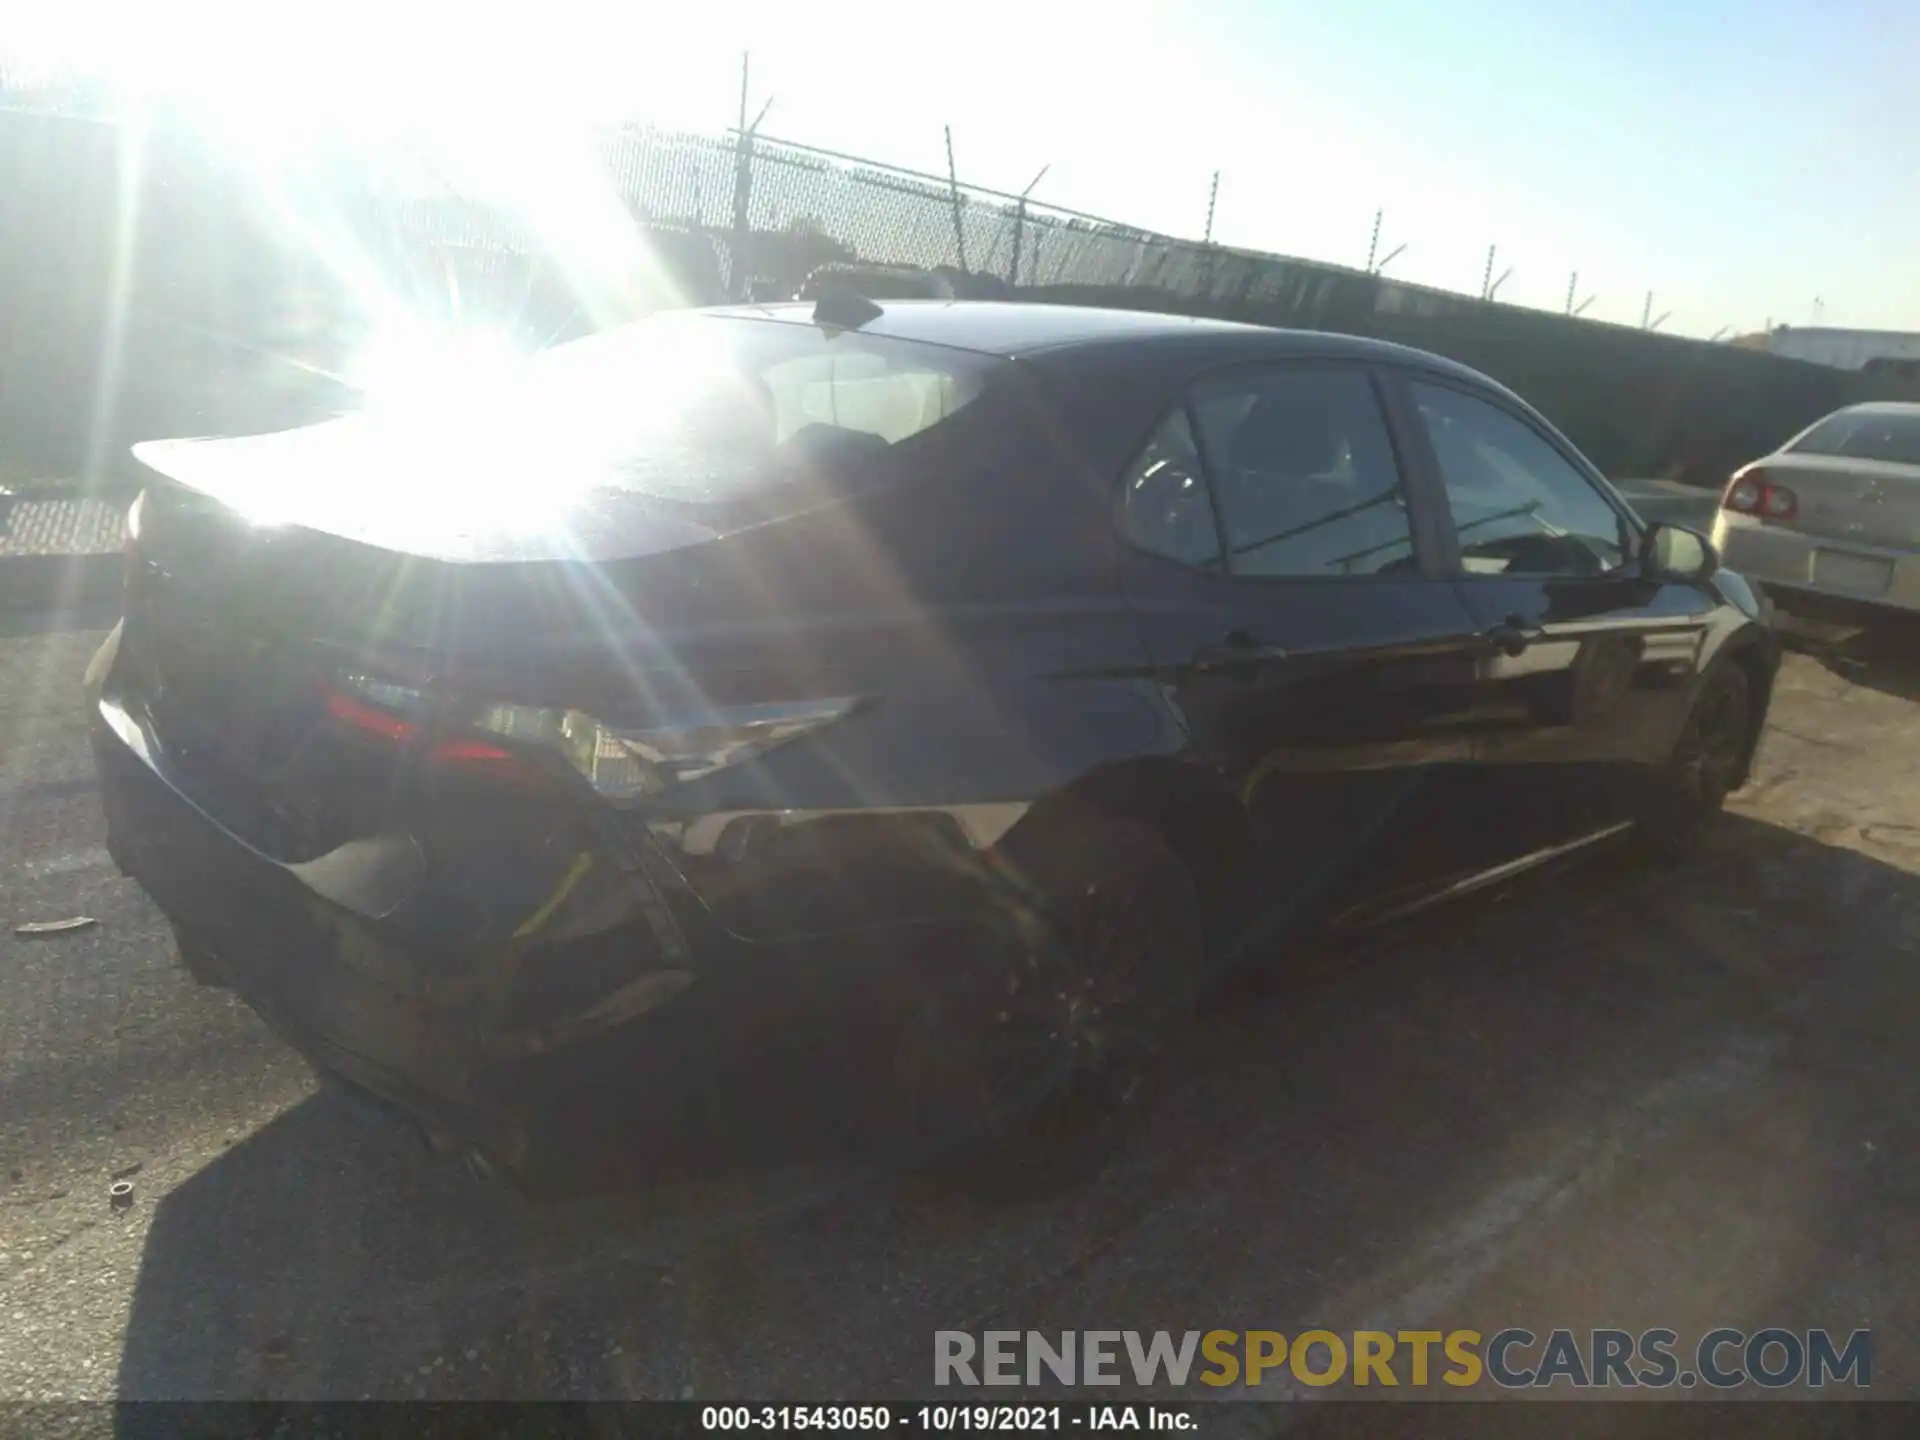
(1704, 768)
(1023, 1081)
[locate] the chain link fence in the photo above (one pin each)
(774, 212)
(754, 217)
(738, 216)
(233, 317)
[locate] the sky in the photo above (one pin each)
(1744, 162)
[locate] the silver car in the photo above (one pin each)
(1835, 511)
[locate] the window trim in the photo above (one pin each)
(1223, 557)
(1402, 379)
(1423, 518)
(1117, 500)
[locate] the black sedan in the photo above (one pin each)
(751, 719)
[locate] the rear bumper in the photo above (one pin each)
(1771, 556)
(710, 1048)
(257, 928)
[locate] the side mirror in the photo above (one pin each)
(1675, 553)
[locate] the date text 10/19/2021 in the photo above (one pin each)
(943, 1419)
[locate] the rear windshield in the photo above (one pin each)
(711, 409)
(1866, 435)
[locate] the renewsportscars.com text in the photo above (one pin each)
(1513, 1358)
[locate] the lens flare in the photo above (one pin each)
(417, 367)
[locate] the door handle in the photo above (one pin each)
(1513, 635)
(1237, 650)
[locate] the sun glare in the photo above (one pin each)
(415, 367)
(425, 99)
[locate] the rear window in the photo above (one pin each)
(710, 409)
(1866, 435)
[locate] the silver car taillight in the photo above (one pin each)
(1752, 493)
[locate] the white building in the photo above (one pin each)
(1892, 351)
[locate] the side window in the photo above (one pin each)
(1518, 506)
(1304, 474)
(1164, 505)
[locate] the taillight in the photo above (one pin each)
(388, 713)
(632, 762)
(1753, 493)
(621, 763)
(369, 720)
(480, 758)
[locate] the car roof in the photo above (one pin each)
(1002, 328)
(1026, 328)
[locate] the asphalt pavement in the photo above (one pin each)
(1627, 1097)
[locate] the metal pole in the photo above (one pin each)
(953, 188)
(1213, 195)
(1572, 281)
(1646, 311)
(743, 183)
(1387, 259)
(1020, 223)
(1019, 229)
(1487, 278)
(1494, 288)
(742, 203)
(1581, 308)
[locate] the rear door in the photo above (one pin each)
(1294, 602)
(1586, 666)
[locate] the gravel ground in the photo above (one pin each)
(1618, 1097)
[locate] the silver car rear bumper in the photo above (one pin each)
(1772, 556)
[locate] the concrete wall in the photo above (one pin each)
(1845, 349)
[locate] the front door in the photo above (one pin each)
(1296, 608)
(1587, 666)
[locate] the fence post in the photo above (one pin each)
(1020, 221)
(1019, 229)
(742, 213)
(953, 188)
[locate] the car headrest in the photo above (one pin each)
(1285, 437)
